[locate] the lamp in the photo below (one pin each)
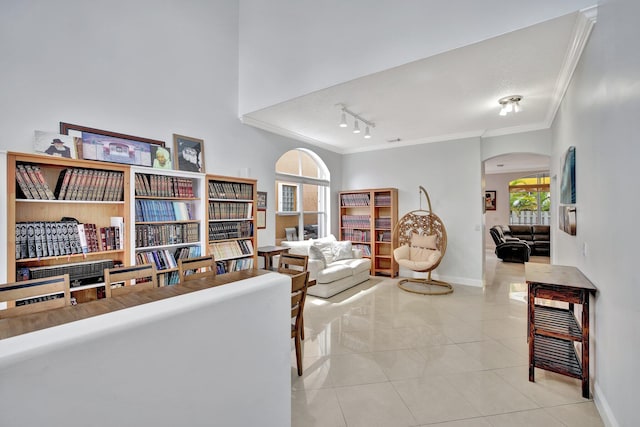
(510, 104)
(356, 119)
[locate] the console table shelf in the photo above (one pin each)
(558, 341)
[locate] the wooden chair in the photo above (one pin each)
(42, 292)
(292, 264)
(197, 268)
(299, 283)
(127, 275)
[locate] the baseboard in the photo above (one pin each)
(603, 407)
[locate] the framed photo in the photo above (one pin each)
(55, 144)
(490, 200)
(161, 157)
(113, 147)
(262, 200)
(261, 218)
(188, 153)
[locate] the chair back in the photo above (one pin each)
(293, 264)
(299, 284)
(130, 276)
(42, 294)
(197, 268)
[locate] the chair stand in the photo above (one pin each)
(426, 286)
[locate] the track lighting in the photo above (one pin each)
(510, 104)
(356, 121)
(343, 120)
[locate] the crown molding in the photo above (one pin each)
(582, 29)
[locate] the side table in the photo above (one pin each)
(268, 252)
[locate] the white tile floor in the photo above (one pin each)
(379, 356)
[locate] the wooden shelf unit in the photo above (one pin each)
(231, 222)
(168, 213)
(367, 218)
(86, 211)
(558, 340)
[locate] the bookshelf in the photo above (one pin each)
(232, 222)
(45, 194)
(168, 213)
(367, 218)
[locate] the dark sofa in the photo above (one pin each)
(538, 237)
(509, 249)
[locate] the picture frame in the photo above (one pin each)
(188, 153)
(261, 219)
(112, 147)
(262, 200)
(161, 158)
(490, 200)
(55, 144)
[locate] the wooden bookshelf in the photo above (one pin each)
(367, 218)
(168, 213)
(92, 202)
(231, 222)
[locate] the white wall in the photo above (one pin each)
(534, 142)
(450, 172)
(599, 116)
(220, 356)
(143, 68)
(290, 48)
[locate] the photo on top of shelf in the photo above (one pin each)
(189, 153)
(161, 157)
(55, 144)
(106, 146)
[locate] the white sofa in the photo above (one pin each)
(333, 264)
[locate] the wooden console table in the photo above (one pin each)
(268, 252)
(553, 331)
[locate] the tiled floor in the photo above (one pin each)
(379, 356)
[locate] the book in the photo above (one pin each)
(62, 184)
(82, 234)
(117, 222)
(29, 181)
(44, 185)
(72, 187)
(23, 185)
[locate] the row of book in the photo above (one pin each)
(230, 190)
(230, 230)
(357, 199)
(31, 183)
(166, 234)
(40, 239)
(234, 249)
(356, 221)
(384, 236)
(90, 184)
(356, 235)
(228, 266)
(382, 199)
(163, 210)
(163, 186)
(229, 210)
(383, 222)
(166, 258)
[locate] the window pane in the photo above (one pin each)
(289, 163)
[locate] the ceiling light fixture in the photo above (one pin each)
(356, 119)
(510, 104)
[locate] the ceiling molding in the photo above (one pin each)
(584, 24)
(247, 120)
(516, 129)
(439, 138)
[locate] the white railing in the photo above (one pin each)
(529, 217)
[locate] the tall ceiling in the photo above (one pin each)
(448, 96)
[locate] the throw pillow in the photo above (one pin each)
(423, 241)
(316, 253)
(326, 250)
(424, 255)
(341, 250)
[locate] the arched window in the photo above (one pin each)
(302, 196)
(529, 201)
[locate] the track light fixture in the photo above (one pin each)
(510, 104)
(356, 121)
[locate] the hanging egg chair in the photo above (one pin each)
(422, 243)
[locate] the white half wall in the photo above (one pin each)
(220, 356)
